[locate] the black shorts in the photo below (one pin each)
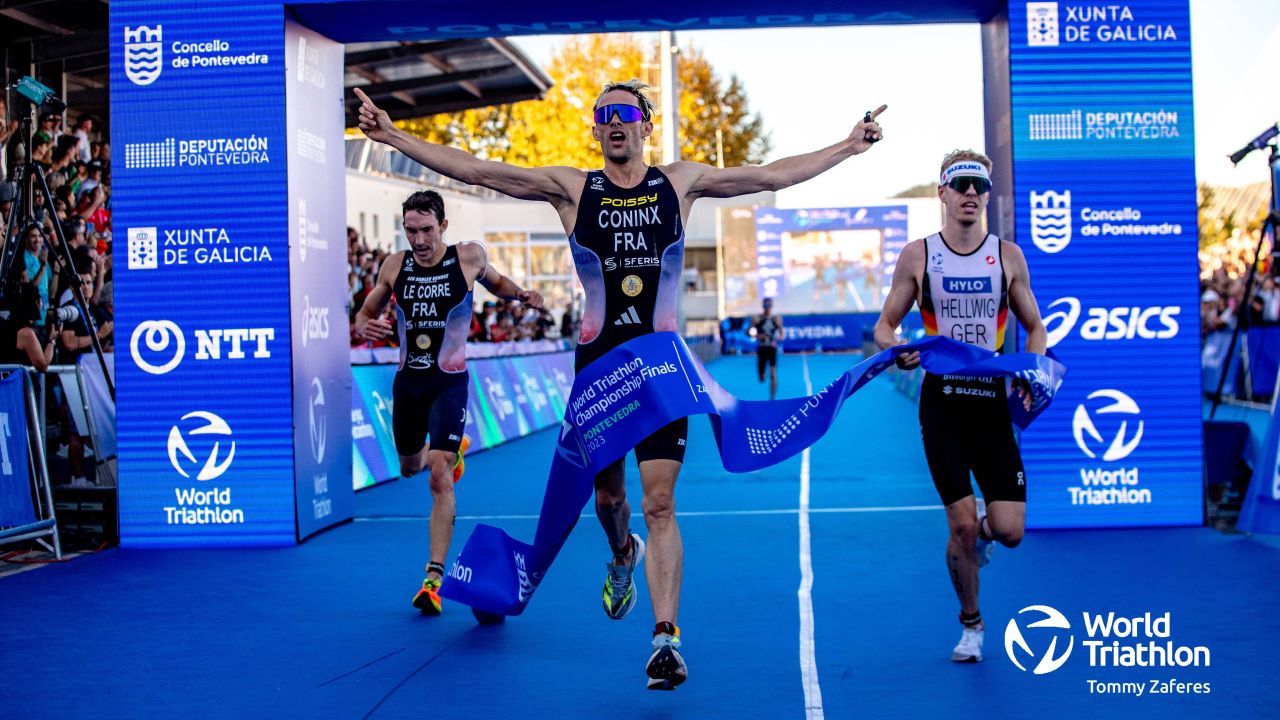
(667, 443)
(766, 355)
(435, 405)
(966, 429)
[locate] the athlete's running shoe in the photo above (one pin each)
(620, 584)
(985, 547)
(428, 598)
(459, 466)
(666, 668)
(969, 649)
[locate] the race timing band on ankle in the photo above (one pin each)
(967, 168)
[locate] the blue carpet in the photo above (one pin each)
(325, 630)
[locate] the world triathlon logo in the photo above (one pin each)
(1051, 220)
(143, 54)
(182, 458)
(1121, 444)
(318, 420)
(1048, 624)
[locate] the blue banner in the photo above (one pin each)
(318, 280)
(16, 507)
(205, 402)
(1105, 210)
(650, 381)
(1261, 510)
(810, 333)
(509, 397)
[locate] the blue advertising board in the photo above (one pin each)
(509, 397)
(201, 279)
(1104, 182)
(318, 281)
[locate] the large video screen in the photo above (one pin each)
(821, 260)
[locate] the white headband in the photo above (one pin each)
(964, 167)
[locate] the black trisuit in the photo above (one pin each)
(433, 306)
(628, 246)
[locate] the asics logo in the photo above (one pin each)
(1121, 323)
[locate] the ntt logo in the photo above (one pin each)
(1036, 617)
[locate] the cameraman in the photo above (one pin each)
(20, 344)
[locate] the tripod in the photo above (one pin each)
(1271, 225)
(30, 178)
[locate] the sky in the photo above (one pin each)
(930, 76)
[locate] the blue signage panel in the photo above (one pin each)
(1104, 182)
(201, 278)
(317, 280)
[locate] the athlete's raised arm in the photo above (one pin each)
(702, 180)
(556, 185)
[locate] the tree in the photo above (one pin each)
(923, 190)
(556, 130)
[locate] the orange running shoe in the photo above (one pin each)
(459, 467)
(428, 598)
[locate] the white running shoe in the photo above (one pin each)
(969, 649)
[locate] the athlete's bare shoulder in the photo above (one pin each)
(912, 256)
(390, 269)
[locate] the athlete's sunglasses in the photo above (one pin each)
(625, 113)
(961, 184)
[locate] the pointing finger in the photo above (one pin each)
(876, 113)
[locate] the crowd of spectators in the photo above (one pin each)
(495, 320)
(40, 321)
(1223, 283)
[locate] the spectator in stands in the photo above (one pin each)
(20, 343)
(8, 192)
(504, 330)
(84, 126)
(74, 341)
(50, 126)
(41, 149)
(1211, 312)
(8, 129)
(92, 176)
(35, 259)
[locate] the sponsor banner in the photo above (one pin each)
(204, 414)
(508, 398)
(374, 458)
(16, 507)
(828, 258)
(1105, 210)
(317, 281)
(654, 379)
(809, 333)
(1101, 81)
(1261, 510)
